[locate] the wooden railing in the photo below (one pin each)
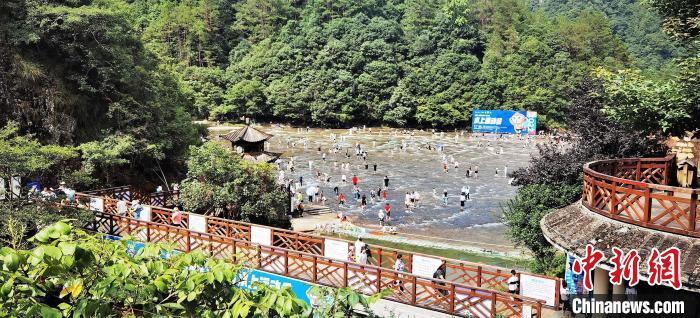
(636, 191)
(130, 193)
(460, 272)
(438, 295)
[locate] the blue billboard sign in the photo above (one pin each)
(504, 121)
(248, 276)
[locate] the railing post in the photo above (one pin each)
(638, 172)
(478, 276)
(493, 304)
(259, 254)
(345, 274)
(613, 199)
(189, 242)
(379, 259)
(647, 206)
(414, 290)
(693, 210)
(452, 298)
(314, 270)
(286, 262)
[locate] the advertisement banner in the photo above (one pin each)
(424, 266)
(300, 288)
(541, 288)
(197, 223)
(504, 121)
(97, 204)
(145, 213)
(335, 249)
(261, 235)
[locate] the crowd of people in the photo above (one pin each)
(337, 165)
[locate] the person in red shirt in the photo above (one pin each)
(341, 199)
(387, 210)
(355, 179)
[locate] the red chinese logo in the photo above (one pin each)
(665, 267)
(587, 264)
(626, 267)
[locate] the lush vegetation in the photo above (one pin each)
(135, 66)
(618, 114)
(222, 184)
(116, 83)
(71, 274)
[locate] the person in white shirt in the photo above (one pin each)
(399, 266)
(513, 283)
(358, 246)
(121, 207)
(564, 295)
(362, 258)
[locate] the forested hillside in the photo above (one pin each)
(85, 69)
(633, 21)
(121, 80)
(414, 62)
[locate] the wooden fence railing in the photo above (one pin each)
(129, 193)
(636, 191)
(438, 295)
(460, 272)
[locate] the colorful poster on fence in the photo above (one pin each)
(504, 121)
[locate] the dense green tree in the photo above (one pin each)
(75, 72)
(220, 183)
(23, 156)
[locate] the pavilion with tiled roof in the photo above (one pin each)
(250, 142)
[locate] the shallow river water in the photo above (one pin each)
(414, 168)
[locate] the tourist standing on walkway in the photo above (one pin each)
(462, 199)
(355, 180)
(513, 283)
(440, 273)
(122, 207)
(359, 244)
(444, 197)
(386, 182)
(564, 295)
(176, 216)
(362, 257)
(399, 266)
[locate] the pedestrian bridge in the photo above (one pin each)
(469, 290)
